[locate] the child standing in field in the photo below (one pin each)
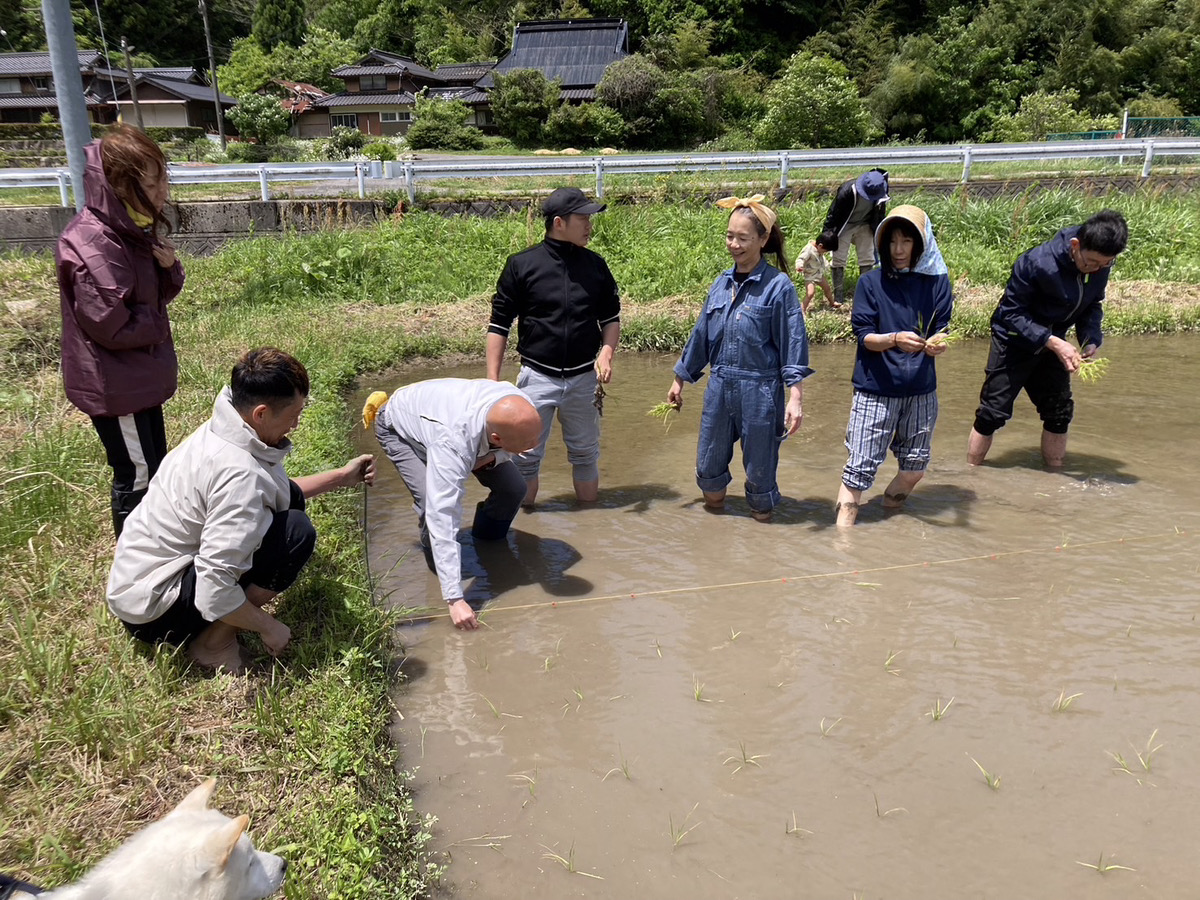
(811, 265)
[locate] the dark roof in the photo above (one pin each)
(577, 94)
(575, 50)
(379, 62)
(179, 73)
(363, 101)
(467, 73)
(38, 63)
(185, 90)
(39, 101)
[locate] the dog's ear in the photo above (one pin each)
(197, 800)
(220, 844)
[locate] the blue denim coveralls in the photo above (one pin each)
(753, 339)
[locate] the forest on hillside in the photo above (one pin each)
(804, 72)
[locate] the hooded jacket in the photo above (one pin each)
(210, 505)
(117, 354)
(1047, 294)
(918, 299)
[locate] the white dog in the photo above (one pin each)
(192, 853)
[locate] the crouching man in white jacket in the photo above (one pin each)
(223, 529)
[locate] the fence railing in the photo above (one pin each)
(406, 174)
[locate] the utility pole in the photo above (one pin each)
(132, 81)
(212, 67)
(68, 89)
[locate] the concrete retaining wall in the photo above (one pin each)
(201, 228)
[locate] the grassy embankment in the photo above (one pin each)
(98, 736)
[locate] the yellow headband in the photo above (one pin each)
(764, 214)
(371, 407)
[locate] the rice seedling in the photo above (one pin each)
(733, 635)
(623, 768)
(598, 399)
(485, 841)
(889, 663)
(529, 780)
(884, 813)
(683, 830)
(658, 648)
(663, 412)
(698, 690)
(1093, 369)
(497, 713)
(743, 759)
(1122, 765)
(938, 710)
(1146, 755)
(794, 828)
(1101, 866)
(1064, 701)
(423, 730)
(482, 662)
(993, 781)
(568, 862)
(825, 729)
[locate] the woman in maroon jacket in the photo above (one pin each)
(116, 277)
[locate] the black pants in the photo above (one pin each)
(1040, 374)
(135, 445)
(277, 562)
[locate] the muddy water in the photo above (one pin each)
(678, 704)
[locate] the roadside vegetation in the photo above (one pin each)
(98, 736)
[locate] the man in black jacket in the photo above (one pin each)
(1053, 287)
(567, 308)
(856, 211)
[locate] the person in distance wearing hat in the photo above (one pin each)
(856, 212)
(567, 308)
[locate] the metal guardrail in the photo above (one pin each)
(409, 172)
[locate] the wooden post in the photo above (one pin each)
(212, 67)
(132, 81)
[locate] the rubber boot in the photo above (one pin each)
(839, 285)
(123, 503)
(485, 528)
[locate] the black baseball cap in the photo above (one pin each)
(565, 201)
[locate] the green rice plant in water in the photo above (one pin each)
(1101, 866)
(663, 412)
(683, 829)
(938, 710)
(1091, 370)
(993, 781)
(1064, 701)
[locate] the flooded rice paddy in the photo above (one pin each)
(991, 694)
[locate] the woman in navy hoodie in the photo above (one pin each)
(901, 312)
(115, 279)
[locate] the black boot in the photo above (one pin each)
(839, 286)
(123, 503)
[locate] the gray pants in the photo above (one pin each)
(574, 399)
(493, 516)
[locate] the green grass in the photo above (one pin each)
(101, 736)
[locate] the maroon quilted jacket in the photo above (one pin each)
(117, 353)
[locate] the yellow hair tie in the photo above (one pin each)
(371, 407)
(765, 215)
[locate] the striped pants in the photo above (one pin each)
(135, 445)
(905, 424)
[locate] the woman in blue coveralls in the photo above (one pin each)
(751, 335)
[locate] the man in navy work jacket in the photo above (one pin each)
(567, 308)
(1054, 286)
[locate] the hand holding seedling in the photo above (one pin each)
(1067, 354)
(462, 615)
(909, 341)
(675, 394)
(936, 344)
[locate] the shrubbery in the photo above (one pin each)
(813, 103)
(585, 125)
(344, 142)
(660, 109)
(381, 150)
(260, 118)
(442, 125)
(522, 103)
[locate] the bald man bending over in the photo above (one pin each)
(439, 432)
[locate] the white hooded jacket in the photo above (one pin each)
(210, 503)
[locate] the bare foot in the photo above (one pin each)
(893, 501)
(761, 515)
(227, 658)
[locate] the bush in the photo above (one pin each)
(442, 125)
(260, 118)
(242, 152)
(185, 133)
(522, 102)
(814, 103)
(585, 125)
(1042, 113)
(660, 109)
(381, 150)
(344, 142)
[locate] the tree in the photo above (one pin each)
(661, 109)
(278, 22)
(442, 125)
(522, 101)
(260, 118)
(584, 125)
(813, 104)
(1042, 113)
(251, 70)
